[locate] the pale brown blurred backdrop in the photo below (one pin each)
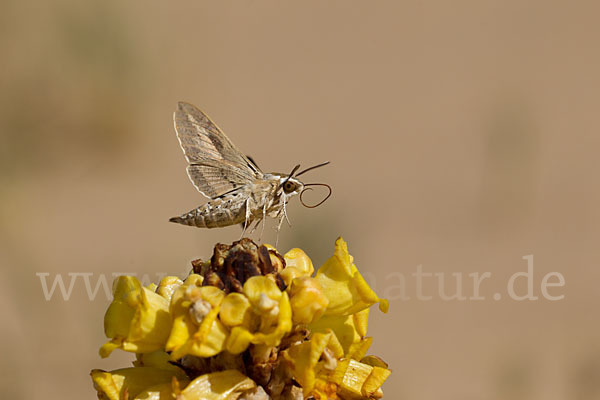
(463, 136)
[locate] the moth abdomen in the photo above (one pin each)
(192, 218)
(214, 214)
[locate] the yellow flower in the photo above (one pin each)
(128, 383)
(350, 330)
(308, 358)
(196, 329)
(271, 313)
(344, 286)
(137, 320)
(251, 325)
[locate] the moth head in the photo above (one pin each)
(291, 186)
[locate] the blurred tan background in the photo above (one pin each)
(462, 135)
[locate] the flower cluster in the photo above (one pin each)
(249, 324)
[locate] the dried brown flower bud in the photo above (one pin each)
(231, 266)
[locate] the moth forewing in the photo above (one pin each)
(202, 141)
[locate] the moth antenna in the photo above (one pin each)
(291, 174)
(309, 188)
(311, 168)
(252, 161)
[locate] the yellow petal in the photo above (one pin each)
(235, 310)
(110, 346)
(120, 312)
(211, 344)
(298, 259)
(223, 385)
(167, 286)
(334, 345)
(211, 294)
(157, 359)
(377, 377)
(194, 280)
(374, 361)
(307, 300)
(182, 331)
(337, 376)
(359, 349)
(289, 274)
(361, 320)
(257, 285)
(158, 392)
(350, 330)
(238, 340)
(355, 377)
(342, 326)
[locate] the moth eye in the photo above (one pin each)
(289, 187)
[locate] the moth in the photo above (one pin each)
(238, 191)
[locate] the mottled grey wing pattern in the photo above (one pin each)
(216, 165)
(213, 181)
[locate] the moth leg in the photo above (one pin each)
(247, 217)
(254, 227)
(264, 218)
(285, 213)
(281, 218)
